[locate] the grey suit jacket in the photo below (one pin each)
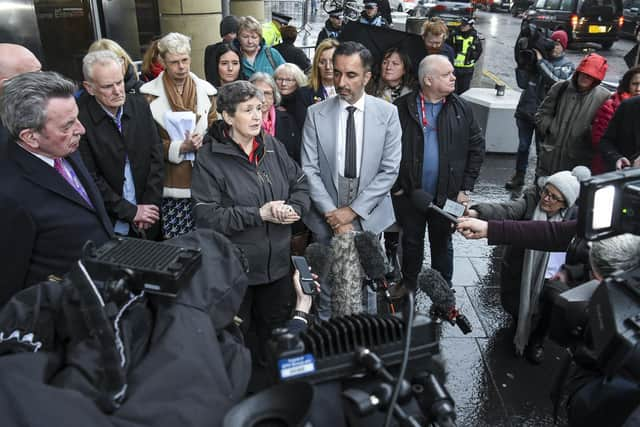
(379, 165)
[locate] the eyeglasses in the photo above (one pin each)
(546, 194)
(284, 80)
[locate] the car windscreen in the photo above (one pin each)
(600, 7)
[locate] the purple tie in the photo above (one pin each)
(70, 176)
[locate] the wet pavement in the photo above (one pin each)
(490, 385)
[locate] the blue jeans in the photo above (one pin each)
(525, 135)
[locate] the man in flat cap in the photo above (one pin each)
(271, 31)
(332, 26)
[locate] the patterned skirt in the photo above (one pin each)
(176, 217)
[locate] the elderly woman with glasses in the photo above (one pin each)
(294, 90)
(246, 187)
(524, 273)
(275, 121)
(256, 55)
(177, 89)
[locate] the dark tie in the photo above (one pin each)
(350, 147)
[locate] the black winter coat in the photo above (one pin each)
(104, 149)
(294, 55)
(181, 367)
(228, 192)
(288, 133)
(622, 138)
(460, 147)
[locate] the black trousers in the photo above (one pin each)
(414, 224)
(463, 79)
(264, 308)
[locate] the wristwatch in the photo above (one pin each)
(305, 317)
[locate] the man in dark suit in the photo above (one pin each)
(50, 204)
(121, 147)
(14, 60)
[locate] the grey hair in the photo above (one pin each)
(266, 78)
(295, 71)
(617, 253)
(249, 24)
(427, 66)
(102, 57)
(24, 98)
(232, 94)
(174, 44)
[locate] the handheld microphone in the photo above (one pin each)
(374, 262)
(372, 257)
(443, 299)
(423, 201)
(319, 259)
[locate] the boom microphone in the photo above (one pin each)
(346, 276)
(443, 299)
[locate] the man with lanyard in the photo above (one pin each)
(271, 31)
(468, 48)
(125, 160)
(442, 152)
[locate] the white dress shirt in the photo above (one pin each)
(358, 116)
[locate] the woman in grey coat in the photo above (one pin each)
(525, 271)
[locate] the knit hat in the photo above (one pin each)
(561, 37)
(228, 25)
(568, 183)
(593, 65)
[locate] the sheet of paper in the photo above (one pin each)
(177, 123)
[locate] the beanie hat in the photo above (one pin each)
(593, 65)
(561, 37)
(568, 183)
(228, 25)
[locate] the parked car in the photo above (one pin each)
(403, 5)
(631, 24)
(450, 11)
(494, 5)
(519, 6)
(595, 21)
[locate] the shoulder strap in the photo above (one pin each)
(267, 52)
(561, 91)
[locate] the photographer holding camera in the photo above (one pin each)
(596, 399)
(541, 63)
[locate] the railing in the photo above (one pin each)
(296, 9)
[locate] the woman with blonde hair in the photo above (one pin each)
(295, 92)
(177, 89)
(256, 55)
(322, 70)
(131, 82)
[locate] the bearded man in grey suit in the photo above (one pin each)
(351, 151)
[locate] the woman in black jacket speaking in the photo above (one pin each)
(246, 187)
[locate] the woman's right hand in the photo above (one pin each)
(192, 142)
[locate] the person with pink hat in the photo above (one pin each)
(564, 118)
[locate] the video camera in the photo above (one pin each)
(531, 37)
(600, 321)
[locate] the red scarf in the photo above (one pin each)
(269, 123)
